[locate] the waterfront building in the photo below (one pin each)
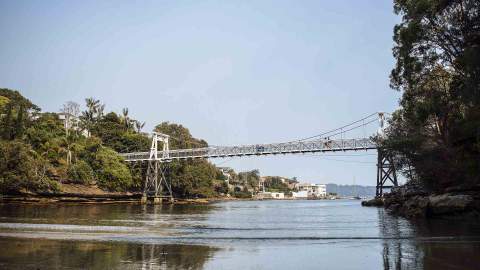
(300, 195)
(313, 190)
(271, 195)
(278, 195)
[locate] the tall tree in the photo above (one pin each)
(16, 114)
(71, 110)
(92, 114)
(139, 126)
(435, 135)
(127, 122)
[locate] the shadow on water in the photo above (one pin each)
(431, 244)
(58, 254)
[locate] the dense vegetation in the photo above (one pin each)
(275, 184)
(41, 151)
(435, 135)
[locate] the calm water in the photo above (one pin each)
(230, 235)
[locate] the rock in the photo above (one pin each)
(444, 205)
(410, 189)
(373, 202)
(447, 204)
(394, 208)
(414, 207)
(412, 200)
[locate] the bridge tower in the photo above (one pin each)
(385, 167)
(385, 173)
(157, 171)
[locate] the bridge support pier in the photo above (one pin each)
(156, 182)
(385, 173)
(157, 200)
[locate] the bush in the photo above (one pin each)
(192, 178)
(111, 171)
(242, 194)
(21, 169)
(81, 173)
(109, 168)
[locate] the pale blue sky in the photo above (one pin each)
(233, 72)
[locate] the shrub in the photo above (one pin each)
(81, 173)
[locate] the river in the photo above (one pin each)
(338, 234)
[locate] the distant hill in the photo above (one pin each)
(350, 190)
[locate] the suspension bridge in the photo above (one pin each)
(157, 184)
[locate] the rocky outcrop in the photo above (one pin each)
(413, 201)
(449, 204)
(373, 202)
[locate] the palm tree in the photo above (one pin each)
(125, 119)
(93, 113)
(139, 126)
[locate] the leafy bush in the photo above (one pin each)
(242, 194)
(81, 173)
(21, 169)
(112, 172)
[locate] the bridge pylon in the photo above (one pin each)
(385, 173)
(156, 178)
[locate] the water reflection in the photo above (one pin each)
(231, 235)
(399, 252)
(55, 254)
(429, 244)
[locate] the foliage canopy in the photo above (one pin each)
(40, 151)
(435, 135)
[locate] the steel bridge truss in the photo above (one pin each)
(297, 147)
(156, 177)
(386, 173)
(157, 180)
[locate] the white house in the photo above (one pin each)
(271, 195)
(313, 190)
(278, 195)
(300, 195)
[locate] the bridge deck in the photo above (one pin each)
(312, 146)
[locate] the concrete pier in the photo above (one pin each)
(157, 200)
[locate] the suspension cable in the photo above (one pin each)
(340, 128)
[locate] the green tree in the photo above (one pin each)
(128, 123)
(16, 114)
(275, 184)
(139, 125)
(111, 172)
(3, 101)
(92, 114)
(180, 136)
(113, 134)
(435, 135)
(249, 179)
(81, 173)
(22, 170)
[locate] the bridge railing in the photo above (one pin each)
(311, 146)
